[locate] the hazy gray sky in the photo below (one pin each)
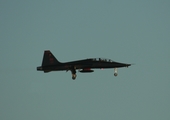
(124, 31)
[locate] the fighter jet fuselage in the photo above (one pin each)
(50, 63)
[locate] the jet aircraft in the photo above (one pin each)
(50, 63)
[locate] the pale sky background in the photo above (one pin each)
(129, 31)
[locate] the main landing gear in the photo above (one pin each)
(115, 72)
(73, 72)
(74, 76)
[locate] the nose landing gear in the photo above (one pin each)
(115, 72)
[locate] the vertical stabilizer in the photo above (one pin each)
(49, 59)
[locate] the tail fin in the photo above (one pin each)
(49, 59)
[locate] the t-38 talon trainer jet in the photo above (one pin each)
(50, 63)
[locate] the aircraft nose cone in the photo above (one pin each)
(127, 65)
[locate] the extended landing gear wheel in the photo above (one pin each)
(73, 71)
(74, 76)
(115, 74)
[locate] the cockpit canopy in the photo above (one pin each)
(102, 59)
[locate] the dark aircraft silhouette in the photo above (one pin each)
(50, 63)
